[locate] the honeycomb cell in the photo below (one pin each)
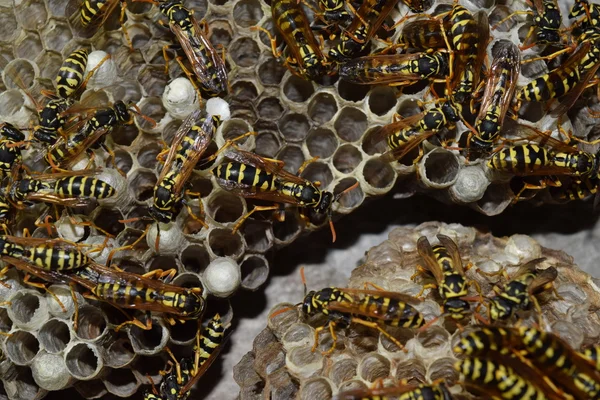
(92, 323)
(271, 72)
(142, 184)
(151, 341)
(244, 52)
(322, 108)
(297, 90)
(121, 383)
(255, 271)
(414, 369)
(343, 370)
(287, 230)
(5, 322)
(199, 7)
(224, 207)
(321, 142)
(318, 172)
(119, 354)
(443, 369)
(107, 219)
(234, 128)
(247, 13)
(267, 144)
(95, 98)
(316, 388)
(199, 184)
(439, 168)
(32, 15)
(91, 389)
(351, 124)
(29, 46)
(195, 258)
(49, 63)
(382, 99)
(498, 14)
(139, 35)
(220, 33)
(292, 157)
(347, 158)
(378, 174)
(222, 243)
(244, 91)
(13, 109)
(127, 91)
(303, 361)
(25, 72)
(8, 25)
(294, 127)
(56, 34)
(28, 309)
(125, 135)
(22, 386)
(162, 262)
(153, 108)
(153, 79)
(352, 199)
(49, 371)
(21, 347)
(147, 155)
(258, 235)
(54, 336)
(351, 385)
(351, 92)
(270, 108)
(373, 366)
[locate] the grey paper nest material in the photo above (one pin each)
(282, 364)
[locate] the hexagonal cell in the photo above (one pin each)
(411, 368)
(119, 353)
(247, 13)
(373, 366)
(21, 347)
(297, 89)
(220, 33)
(139, 35)
(19, 74)
(347, 158)
(54, 336)
(316, 388)
(351, 124)
(153, 79)
(92, 323)
(351, 92)
(28, 46)
(234, 128)
(294, 127)
(56, 35)
(378, 174)
(255, 271)
(318, 171)
(224, 207)
(292, 157)
(270, 108)
(267, 144)
(244, 52)
(288, 229)
(244, 91)
(271, 72)
(8, 25)
(147, 155)
(195, 258)
(49, 64)
(351, 199)
(32, 15)
(108, 220)
(225, 244)
(162, 262)
(123, 160)
(121, 383)
(321, 142)
(258, 235)
(152, 107)
(322, 108)
(142, 184)
(498, 14)
(382, 99)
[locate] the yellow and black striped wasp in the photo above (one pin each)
(518, 292)
(94, 13)
(179, 381)
(333, 12)
(499, 91)
(592, 354)
(435, 391)
(546, 20)
(444, 262)
(251, 176)
(190, 142)
(590, 13)
(395, 69)
(577, 189)
(304, 54)
(403, 135)
(425, 34)
(11, 143)
(142, 292)
(367, 20)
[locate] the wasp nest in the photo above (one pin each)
(282, 365)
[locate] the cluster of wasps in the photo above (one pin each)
(498, 359)
(449, 49)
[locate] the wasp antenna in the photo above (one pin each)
(303, 280)
(333, 234)
(343, 192)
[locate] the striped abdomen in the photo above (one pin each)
(56, 259)
(10, 155)
(211, 338)
(91, 8)
(521, 159)
(247, 175)
(83, 186)
(392, 312)
(443, 258)
(70, 74)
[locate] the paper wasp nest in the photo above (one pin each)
(295, 119)
(282, 365)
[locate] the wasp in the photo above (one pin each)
(88, 131)
(589, 11)
(470, 35)
(251, 176)
(128, 290)
(444, 262)
(11, 144)
(400, 392)
(578, 189)
(368, 19)
(568, 80)
(206, 63)
(395, 69)
(499, 90)
(71, 73)
(546, 19)
(425, 34)
(305, 57)
(592, 355)
(518, 292)
(94, 13)
(405, 134)
(190, 142)
(334, 12)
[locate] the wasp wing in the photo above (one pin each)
(426, 252)
(452, 249)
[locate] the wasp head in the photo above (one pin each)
(122, 112)
(456, 308)
(578, 8)
(324, 204)
(193, 304)
(307, 303)
(548, 36)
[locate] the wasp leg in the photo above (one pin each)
(200, 206)
(26, 280)
(549, 56)
(166, 276)
(424, 288)
(377, 287)
(191, 77)
(249, 213)
(510, 16)
(136, 322)
(127, 247)
(331, 326)
(375, 325)
(276, 53)
(231, 143)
